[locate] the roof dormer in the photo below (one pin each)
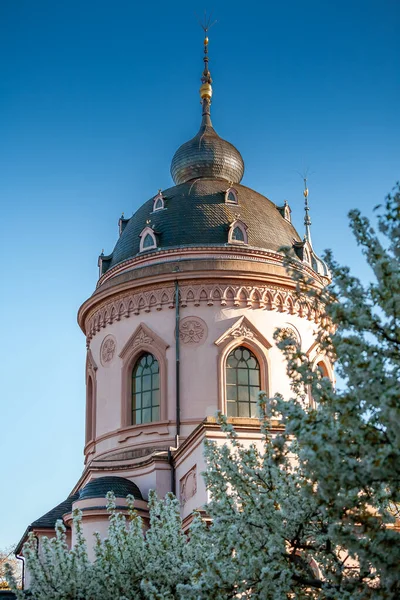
(148, 239)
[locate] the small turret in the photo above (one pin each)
(307, 251)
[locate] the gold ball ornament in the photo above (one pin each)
(206, 91)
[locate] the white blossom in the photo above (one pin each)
(307, 513)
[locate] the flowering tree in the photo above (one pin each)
(316, 517)
(310, 513)
(7, 557)
(350, 446)
(128, 565)
(268, 532)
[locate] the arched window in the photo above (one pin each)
(285, 211)
(243, 383)
(158, 201)
(145, 390)
(231, 196)
(89, 409)
(237, 233)
(147, 239)
(321, 367)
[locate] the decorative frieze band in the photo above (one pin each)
(229, 295)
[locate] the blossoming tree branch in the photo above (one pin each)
(314, 511)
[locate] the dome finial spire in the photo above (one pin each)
(206, 81)
(206, 155)
(307, 218)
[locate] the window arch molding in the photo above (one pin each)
(158, 202)
(320, 362)
(242, 333)
(242, 227)
(231, 196)
(143, 340)
(144, 235)
(91, 393)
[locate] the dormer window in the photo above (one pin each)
(147, 239)
(231, 196)
(158, 202)
(285, 211)
(237, 233)
(122, 223)
(103, 263)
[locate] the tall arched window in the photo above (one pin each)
(321, 367)
(243, 383)
(89, 410)
(145, 390)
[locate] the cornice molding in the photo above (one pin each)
(221, 252)
(227, 294)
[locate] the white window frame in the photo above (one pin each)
(286, 212)
(243, 227)
(157, 199)
(231, 190)
(147, 231)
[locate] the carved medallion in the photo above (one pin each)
(188, 486)
(107, 350)
(288, 331)
(192, 331)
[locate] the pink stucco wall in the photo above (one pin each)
(199, 368)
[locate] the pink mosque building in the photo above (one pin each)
(181, 325)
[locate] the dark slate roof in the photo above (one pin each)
(48, 520)
(98, 488)
(196, 214)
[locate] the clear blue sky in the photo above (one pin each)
(95, 97)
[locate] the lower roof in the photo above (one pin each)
(96, 488)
